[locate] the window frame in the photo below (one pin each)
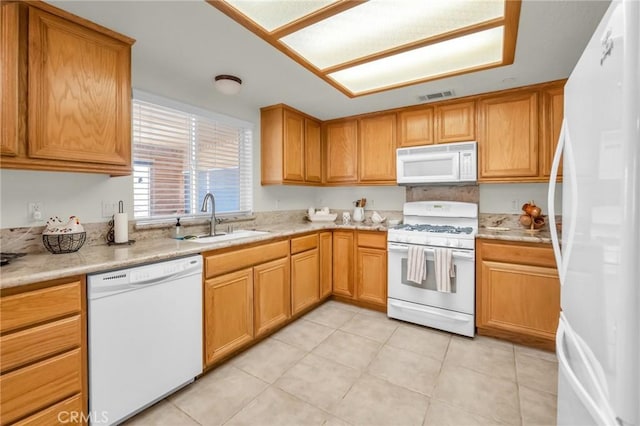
(245, 160)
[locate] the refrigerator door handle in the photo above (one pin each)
(551, 197)
(603, 414)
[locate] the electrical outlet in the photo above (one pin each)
(515, 205)
(35, 211)
(109, 208)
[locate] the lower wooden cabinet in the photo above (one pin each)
(272, 295)
(326, 263)
(229, 313)
(343, 263)
(371, 264)
(305, 272)
(43, 353)
(517, 292)
(360, 267)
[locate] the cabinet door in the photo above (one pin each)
(10, 78)
(343, 264)
(341, 142)
(313, 152)
(416, 127)
(519, 299)
(293, 163)
(272, 295)
(372, 276)
(326, 263)
(305, 280)
(228, 313)
(456, 122)
(78, 93)
(508, 136)
(552, 114)
(377, 149)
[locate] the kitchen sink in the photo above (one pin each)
(242, 233)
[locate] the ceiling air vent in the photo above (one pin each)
(436, 96)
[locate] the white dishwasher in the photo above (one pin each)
(145, 335)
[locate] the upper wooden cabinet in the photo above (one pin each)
(291, 148)
(551, 123)
(518, 132)
(508, 136)
(341, 151)
(437, 123)
(415, 126)
(377, 149)
(74, 111)
(312, 151)
(455, 122)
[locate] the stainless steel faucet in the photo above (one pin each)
(212, 223)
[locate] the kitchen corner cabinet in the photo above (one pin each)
(305, 272)
(343, 263)
(377, 149)
(73, 111)
(43, 352)
(340, 140)
(291, 148)
(247, 294)
(552, 114)
(371, 268)
(326, 263)
(517, 292)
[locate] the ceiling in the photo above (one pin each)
(182, 44)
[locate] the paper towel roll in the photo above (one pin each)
(121, 228)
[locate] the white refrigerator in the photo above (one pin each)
(599, 255)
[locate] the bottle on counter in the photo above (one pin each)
(177, 230)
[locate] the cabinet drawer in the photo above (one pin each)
(35, 343)
(304, 243)
(32, 307)
(219, 264)
(372, 239)
(65, 412)
(522, 253)
(30, 389)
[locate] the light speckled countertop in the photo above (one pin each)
(96, 258)
(46, 266)
(511, 230)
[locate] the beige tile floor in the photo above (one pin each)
(343, 365)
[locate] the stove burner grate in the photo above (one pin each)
(440, 229)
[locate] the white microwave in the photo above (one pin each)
(444, 163)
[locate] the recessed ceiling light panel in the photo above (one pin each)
(451, 56)
(381, 25)
(362, 47)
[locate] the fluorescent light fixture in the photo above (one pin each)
(362, 47)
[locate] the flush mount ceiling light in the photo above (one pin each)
(227, 84)
(362, 47)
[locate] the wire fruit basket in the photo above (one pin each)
(64, 243)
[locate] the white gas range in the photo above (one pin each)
(433, 226)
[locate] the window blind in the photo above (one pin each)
(179, 156)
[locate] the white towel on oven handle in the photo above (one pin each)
(443, 260)
(416, 265)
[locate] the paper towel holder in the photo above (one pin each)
(111, 235)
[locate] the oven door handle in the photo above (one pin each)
(401, 248)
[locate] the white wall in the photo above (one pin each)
(509, 197)
(378, 197)
(61, 194)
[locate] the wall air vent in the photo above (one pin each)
(436, 96)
